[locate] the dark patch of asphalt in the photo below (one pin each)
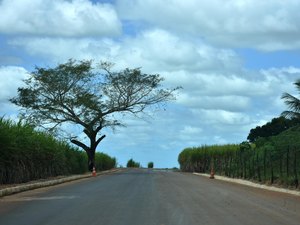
(150, 197)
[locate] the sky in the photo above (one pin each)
(233, 60)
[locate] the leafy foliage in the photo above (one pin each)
(275, 127)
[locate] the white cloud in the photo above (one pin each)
(58, 18)
(59, 50)
(266, 25)
(281, 79)
(236, 92)
(190, 130)
(212, 78)
(11, 78)
(222, 117)
(161, 50)
(155, 50)
(190, 135)
(229, 102)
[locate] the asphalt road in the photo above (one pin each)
(146, 197)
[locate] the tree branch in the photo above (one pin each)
(80, 144)
(100, 139)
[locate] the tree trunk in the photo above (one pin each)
(90, 151)
(91, 159)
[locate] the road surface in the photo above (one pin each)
(149, 197)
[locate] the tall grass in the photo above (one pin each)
(104, 161)
(270, 160)
(26, 154)
(201, 159)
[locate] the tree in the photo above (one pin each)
(292, 102)
(150, 165)
(132, 164)
(275, 127)
(91, 97)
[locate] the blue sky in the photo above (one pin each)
(234, 59)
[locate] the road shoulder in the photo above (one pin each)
(53, 181)
(251, 184)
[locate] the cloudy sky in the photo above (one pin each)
(233, 58)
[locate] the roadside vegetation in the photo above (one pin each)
(28, 155)
(270, 160)
(150, 165)
(133, 164)
(271, 154)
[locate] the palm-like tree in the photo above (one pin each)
(292, 102)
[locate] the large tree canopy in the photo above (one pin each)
(77, 92)
(275, 127)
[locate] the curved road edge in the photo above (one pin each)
(252, 184)
(27, 187)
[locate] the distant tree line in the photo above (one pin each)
(26, 154)
(133, 164)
